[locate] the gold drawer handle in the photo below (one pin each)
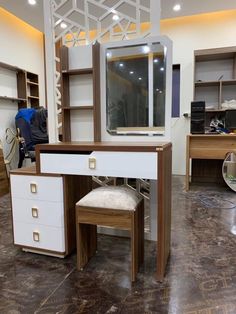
(36, 237)
(92, 163)
(33, 188)
(35, 212)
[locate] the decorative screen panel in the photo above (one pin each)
(81, 22)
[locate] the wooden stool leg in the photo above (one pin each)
(86, 243)
(134, 247)
(140, 212)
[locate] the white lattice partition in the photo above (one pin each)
(86, 21)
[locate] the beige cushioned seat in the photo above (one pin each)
(115, 197)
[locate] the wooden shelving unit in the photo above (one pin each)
(68, 109)
(215, 76)
(27, 87)
(32, 89)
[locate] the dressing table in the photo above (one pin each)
(81, 160)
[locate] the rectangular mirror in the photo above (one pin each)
(136, 89)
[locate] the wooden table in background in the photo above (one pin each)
(209, 148)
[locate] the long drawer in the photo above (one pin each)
(37, 188)
(38, 212)
(115, 164)
(38, 236)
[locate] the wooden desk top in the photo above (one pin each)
(103, 146)
(212, 135)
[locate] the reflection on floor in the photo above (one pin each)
(201, 275)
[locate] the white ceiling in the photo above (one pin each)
(34, 14)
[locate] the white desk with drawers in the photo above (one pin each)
(63, 176)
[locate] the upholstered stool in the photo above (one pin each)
(111, 206)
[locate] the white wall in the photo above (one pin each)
(22, 46)
(188, 34)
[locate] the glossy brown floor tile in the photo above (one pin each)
(200, 279)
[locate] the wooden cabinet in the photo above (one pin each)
(215, 79)
(27, 93)
(80, 89)
(43, 210)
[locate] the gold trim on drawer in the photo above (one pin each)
(35, 212)
(33, 188)
(36, 236)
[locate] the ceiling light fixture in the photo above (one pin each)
(63, 25)
(155, 60)
(115, 17)
(121, 65)
(161, 69)
(32, 2)
(140, 78)
(146, 49)
(131, 72)
(177, 7)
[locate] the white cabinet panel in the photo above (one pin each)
(38, 212)
(49, 238)
(36, 187)
(115, 164)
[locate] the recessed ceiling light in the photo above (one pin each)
(177, 7)
(121, 65)
(161, 69)
(140, 78)
(146, 49)
(115, 17)
(109, 54)
(131, 72)
(63, 25)
(160, 91)
(157, 89)
(32, 2)
(155, 60)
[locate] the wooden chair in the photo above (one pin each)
(112, 206)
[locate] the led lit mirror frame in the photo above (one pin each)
(136, 88)
(229, 170)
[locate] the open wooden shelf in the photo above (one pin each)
(207, 83)
(10, 67)
(12, 98)
(34, 97)
(78, 71)
(78, 108)
(32, 83)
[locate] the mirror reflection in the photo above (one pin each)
(229, 170)
(135, 89)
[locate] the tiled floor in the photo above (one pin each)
(201, 275)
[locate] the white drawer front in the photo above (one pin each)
(37, 188)
(38, 212)
(49, 238)
(114, 164)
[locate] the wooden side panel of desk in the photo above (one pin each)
(75, 187)
(207, 147)
(164, 210)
